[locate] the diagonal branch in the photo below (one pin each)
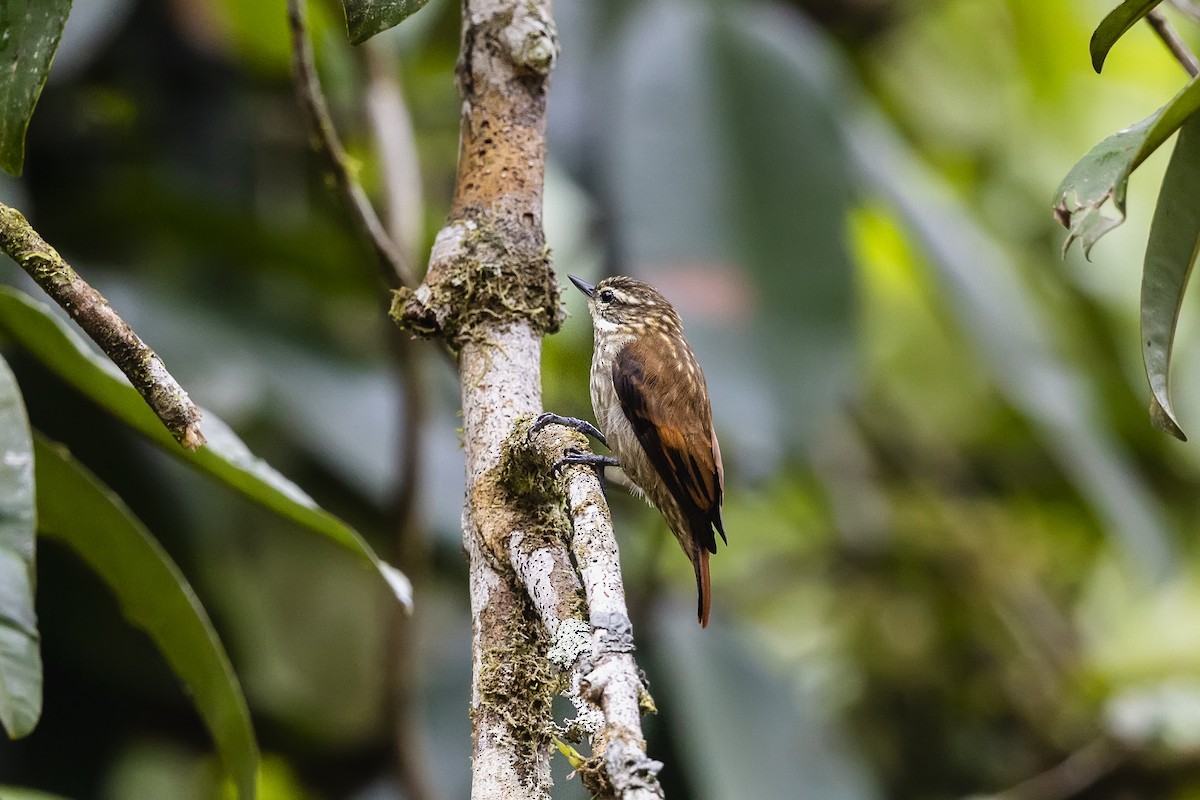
(98, 320)
(1176, 45)
(324, 139)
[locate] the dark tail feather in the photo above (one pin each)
(704, 602)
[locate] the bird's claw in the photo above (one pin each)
(587, 459)
(581, 425)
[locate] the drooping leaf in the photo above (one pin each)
(365, 18)
(20, 656)
(226, 457)
(1103, 174)
(1114, 26)
(29, 34)
(78, 510)
(1170, 254)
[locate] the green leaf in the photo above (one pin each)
(1114, 26)
(365, 18)
(20, 658)
(226, 457)
(14, 793)
(29, 34)
(1170, 254)
(1103, 174)
(78, 510)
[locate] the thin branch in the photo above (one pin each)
(1078, 771)
(395, 141)
(324, 139)
(1170, 38)
(95, 316)
(604, 681)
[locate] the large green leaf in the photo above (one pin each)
(1103, 174)
(226, 457)
(78, 510)
(30, 33)
(20, 658)
(1114, 26)
(365, 18)
(1170, 254)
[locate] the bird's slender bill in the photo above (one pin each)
(582, 285)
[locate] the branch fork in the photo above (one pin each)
(604, 682)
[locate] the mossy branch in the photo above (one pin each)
(99, 321)
(592, 640)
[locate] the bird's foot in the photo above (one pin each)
(587, 459)
(581, 425)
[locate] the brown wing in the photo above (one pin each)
(650, 383)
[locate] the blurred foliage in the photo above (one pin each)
(960, 556)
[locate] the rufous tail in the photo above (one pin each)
(703, 587)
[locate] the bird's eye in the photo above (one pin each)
(606, 295)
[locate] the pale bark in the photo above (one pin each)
(540, 625)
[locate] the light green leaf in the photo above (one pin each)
(1103, 174)
(1170, 254)
(20, 657)
(78, 510)
(29, 34)
(365, 18)
(1114, 26)
(226, 457)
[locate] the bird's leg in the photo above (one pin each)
(581, 425)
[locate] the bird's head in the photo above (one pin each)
(628, 306)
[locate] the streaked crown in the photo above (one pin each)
(629, 304)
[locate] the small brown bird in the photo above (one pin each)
(651, 403)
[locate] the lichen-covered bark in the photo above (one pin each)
(491, 294)
(99, 321)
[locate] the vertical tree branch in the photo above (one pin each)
(490, 292)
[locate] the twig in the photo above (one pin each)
(324, 139)
(1171, 39)
(1072, 775)
(396, 144)
(91, 311)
